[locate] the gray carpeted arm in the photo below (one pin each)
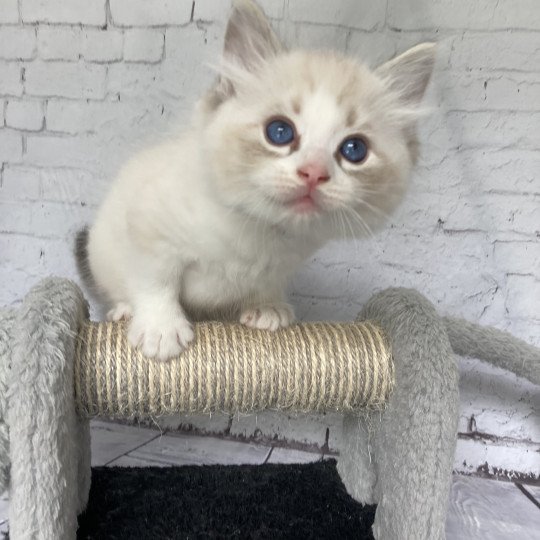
(49, 446)
(7, 318)
(408, 451)
(494, 346)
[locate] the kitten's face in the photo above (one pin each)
(310, 136)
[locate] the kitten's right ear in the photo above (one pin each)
(408, 74)
(249, 38)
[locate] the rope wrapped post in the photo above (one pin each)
(305, 367)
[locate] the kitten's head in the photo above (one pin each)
(297, 138)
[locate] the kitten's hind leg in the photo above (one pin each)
(268, 316)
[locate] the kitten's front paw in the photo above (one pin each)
(162, 340)
(119, 312)
(268, 317)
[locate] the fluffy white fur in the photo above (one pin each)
(209, 225)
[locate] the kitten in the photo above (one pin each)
(287, 151)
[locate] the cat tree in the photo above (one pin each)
(394, 378)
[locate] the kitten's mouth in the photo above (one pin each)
(303, 204)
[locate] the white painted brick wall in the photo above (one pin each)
(159, 13)
(141, 45)
(17, 43)
(59, 43)
(24, 115)
(102, 45)
(85, 83)
(9, 12)
(91, 12)
(11, 78)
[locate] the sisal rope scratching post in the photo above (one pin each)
(305, 367)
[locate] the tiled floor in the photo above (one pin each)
(479, 509)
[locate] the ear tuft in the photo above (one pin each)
(409, 73)
(249, 38)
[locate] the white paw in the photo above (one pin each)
(269, 317)
(119, 311)
(160, 339)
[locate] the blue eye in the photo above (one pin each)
(279, 132)
(354, 149)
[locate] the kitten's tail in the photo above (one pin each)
(494, 346)
(81, 258)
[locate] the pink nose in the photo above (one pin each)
(313, 173)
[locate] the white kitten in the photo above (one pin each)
(287, 151)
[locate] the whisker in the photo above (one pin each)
(375, 210)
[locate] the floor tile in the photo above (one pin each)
(130, 461)
(192, 450)
(488, 509)
(534, 491)
(110, 441)
(200, 424)
(288, 455)
(313, 430)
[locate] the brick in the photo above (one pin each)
(72, 80)
(102, 45)
(498, 129)
(10, 146)
(210, 10)
(336, 286)
(154, 13)
(505, 15)
(76, 117)
(97, 153)
(42, 219)
(494, 213)
(14, 282)
(518, 257)
(490, 91)
(61, 151)
(524, 330)
(73, 186)
(10, 79)
(522, 297)
(173, 81)
(63, 185)
(367, 16)
(20, 184)
(9, 12)
(480, 15)
(20, 252)
(59, 43)
(17, 43)
(27, 115)
(488, 51)
(274, 9)
(511, 171)
(471, 171)
(184, 72)
(373, 48)
(36, 256)
(134, 79)
(98, 116)
(143, 45)
(188, 44)
(91, 12)
(310, 36)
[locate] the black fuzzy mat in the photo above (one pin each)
(215, 501)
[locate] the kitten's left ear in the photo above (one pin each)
(249, 38)
(408, 74)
